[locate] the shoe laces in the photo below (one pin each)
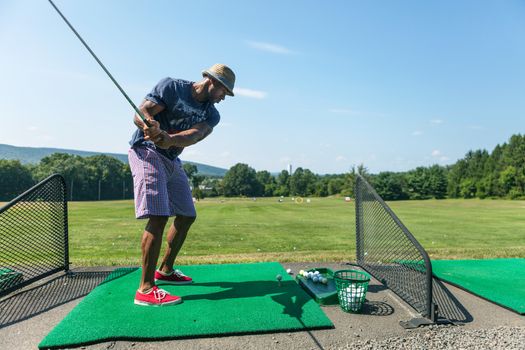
(179, 273)
(159, 294)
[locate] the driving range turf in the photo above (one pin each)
(232, 230)
(224, 299)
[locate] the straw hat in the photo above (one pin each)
(223, 74)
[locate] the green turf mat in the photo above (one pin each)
(224, 299)
(501, 281)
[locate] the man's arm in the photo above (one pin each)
(149, 110)
(186, 137)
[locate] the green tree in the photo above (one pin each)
(302, 182)
(390, 185)
(105, 178)
(15, 179)
(335, 185)
(241, 180)
(283, 184)
(509, 178)
(195, 179)
(71, 167)
(127, 191)
(348, 189)
(190, 169)
(267, 182)
(467, 188)
(438, 181)
(418, 183)
(321, 187)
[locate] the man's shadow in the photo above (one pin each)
(251, 289)
(285, 294)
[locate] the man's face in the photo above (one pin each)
(216, 91)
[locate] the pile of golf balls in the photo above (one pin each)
(315, 276)
(350, 297)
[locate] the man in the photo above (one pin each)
(180, 113)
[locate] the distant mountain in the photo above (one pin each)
(33, 155)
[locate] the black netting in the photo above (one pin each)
(388, 251)
(34, 235)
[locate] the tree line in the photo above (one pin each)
(480, 174)
(97, 177)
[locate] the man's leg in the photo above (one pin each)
(151, 242)
(176, 235)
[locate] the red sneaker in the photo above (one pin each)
(156, 297)
(175, 277)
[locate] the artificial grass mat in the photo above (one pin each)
(501, 281)
(223, 300)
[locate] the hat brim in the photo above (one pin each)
(206, 73)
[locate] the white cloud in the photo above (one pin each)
(250, 93)
(417, 133)
(436, 121)
(269, 47)
(340, 158)
(440, 156)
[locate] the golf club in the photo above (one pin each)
(139, 113)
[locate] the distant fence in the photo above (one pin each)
(34, 235)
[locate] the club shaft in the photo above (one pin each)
(139, 113)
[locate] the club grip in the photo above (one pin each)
(145, 121)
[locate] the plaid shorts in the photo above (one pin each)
(160, 185)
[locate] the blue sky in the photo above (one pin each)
(321, 85)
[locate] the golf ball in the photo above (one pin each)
(324, 280)
(301, 272)
(316, 272)
(289, 271)
(315, 279)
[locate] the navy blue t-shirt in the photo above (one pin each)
(181, 112)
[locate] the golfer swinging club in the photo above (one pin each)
(181, 113)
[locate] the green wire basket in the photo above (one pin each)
(352, 286)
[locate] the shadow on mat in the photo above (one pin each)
(249, 289)
(286, 295)
(294, 308)
(51, 294)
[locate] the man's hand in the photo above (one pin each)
(163, 140)
(153, 132)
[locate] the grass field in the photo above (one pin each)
(243, 230)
